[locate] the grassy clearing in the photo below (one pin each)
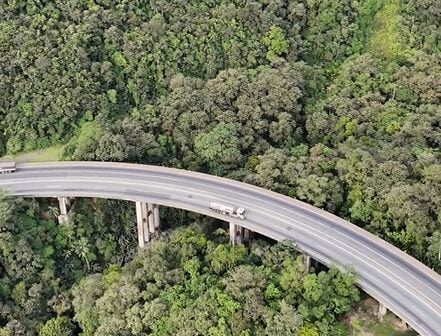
(48, 154)
(363, 322)
(41, 155)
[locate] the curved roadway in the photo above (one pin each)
(407, 287)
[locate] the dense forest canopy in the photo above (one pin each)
(336, 103)
(64, 280)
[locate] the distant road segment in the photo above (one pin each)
(407, 287)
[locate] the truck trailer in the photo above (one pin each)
(7, 167)
(229, 210)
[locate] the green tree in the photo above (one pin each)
(58, 326)
(220, 144)
(434, 250)
(275, 42)
(85, 296)
(284, 323)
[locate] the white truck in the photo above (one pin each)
(7, 167)
(228, 210)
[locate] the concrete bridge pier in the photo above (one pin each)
(232, 233)
(150, 218)
(382, 310)
(307, 260)
(239, 234)
(64, 204)
(404, 325)
(246, 235)
(147, 218)
(156, 215)
(141, 220)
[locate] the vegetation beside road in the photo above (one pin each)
(63, 279)
(363, 321)
(41, 155)
(336, 103)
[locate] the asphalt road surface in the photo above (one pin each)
(407, 287)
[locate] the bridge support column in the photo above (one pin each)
(145, 222)
(232, 233)
(404, 325)
(156, 215)
(63, 202)
(151, 218)
(307, 260)
(147, 218)
(382, 310)
(141, 219)
(236, 234)
(246, 235)
(239, 234)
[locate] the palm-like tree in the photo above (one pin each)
(53, 211)
(81, 248)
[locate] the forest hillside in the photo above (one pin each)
(336, 103)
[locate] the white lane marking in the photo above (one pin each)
(350, 238)
(273, 205)
(289, 220)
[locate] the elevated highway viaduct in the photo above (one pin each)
(405, 286)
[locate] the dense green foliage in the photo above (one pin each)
(59, 280)
(336, 103)
(188, 285)
(333, 102)
(40, 260)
